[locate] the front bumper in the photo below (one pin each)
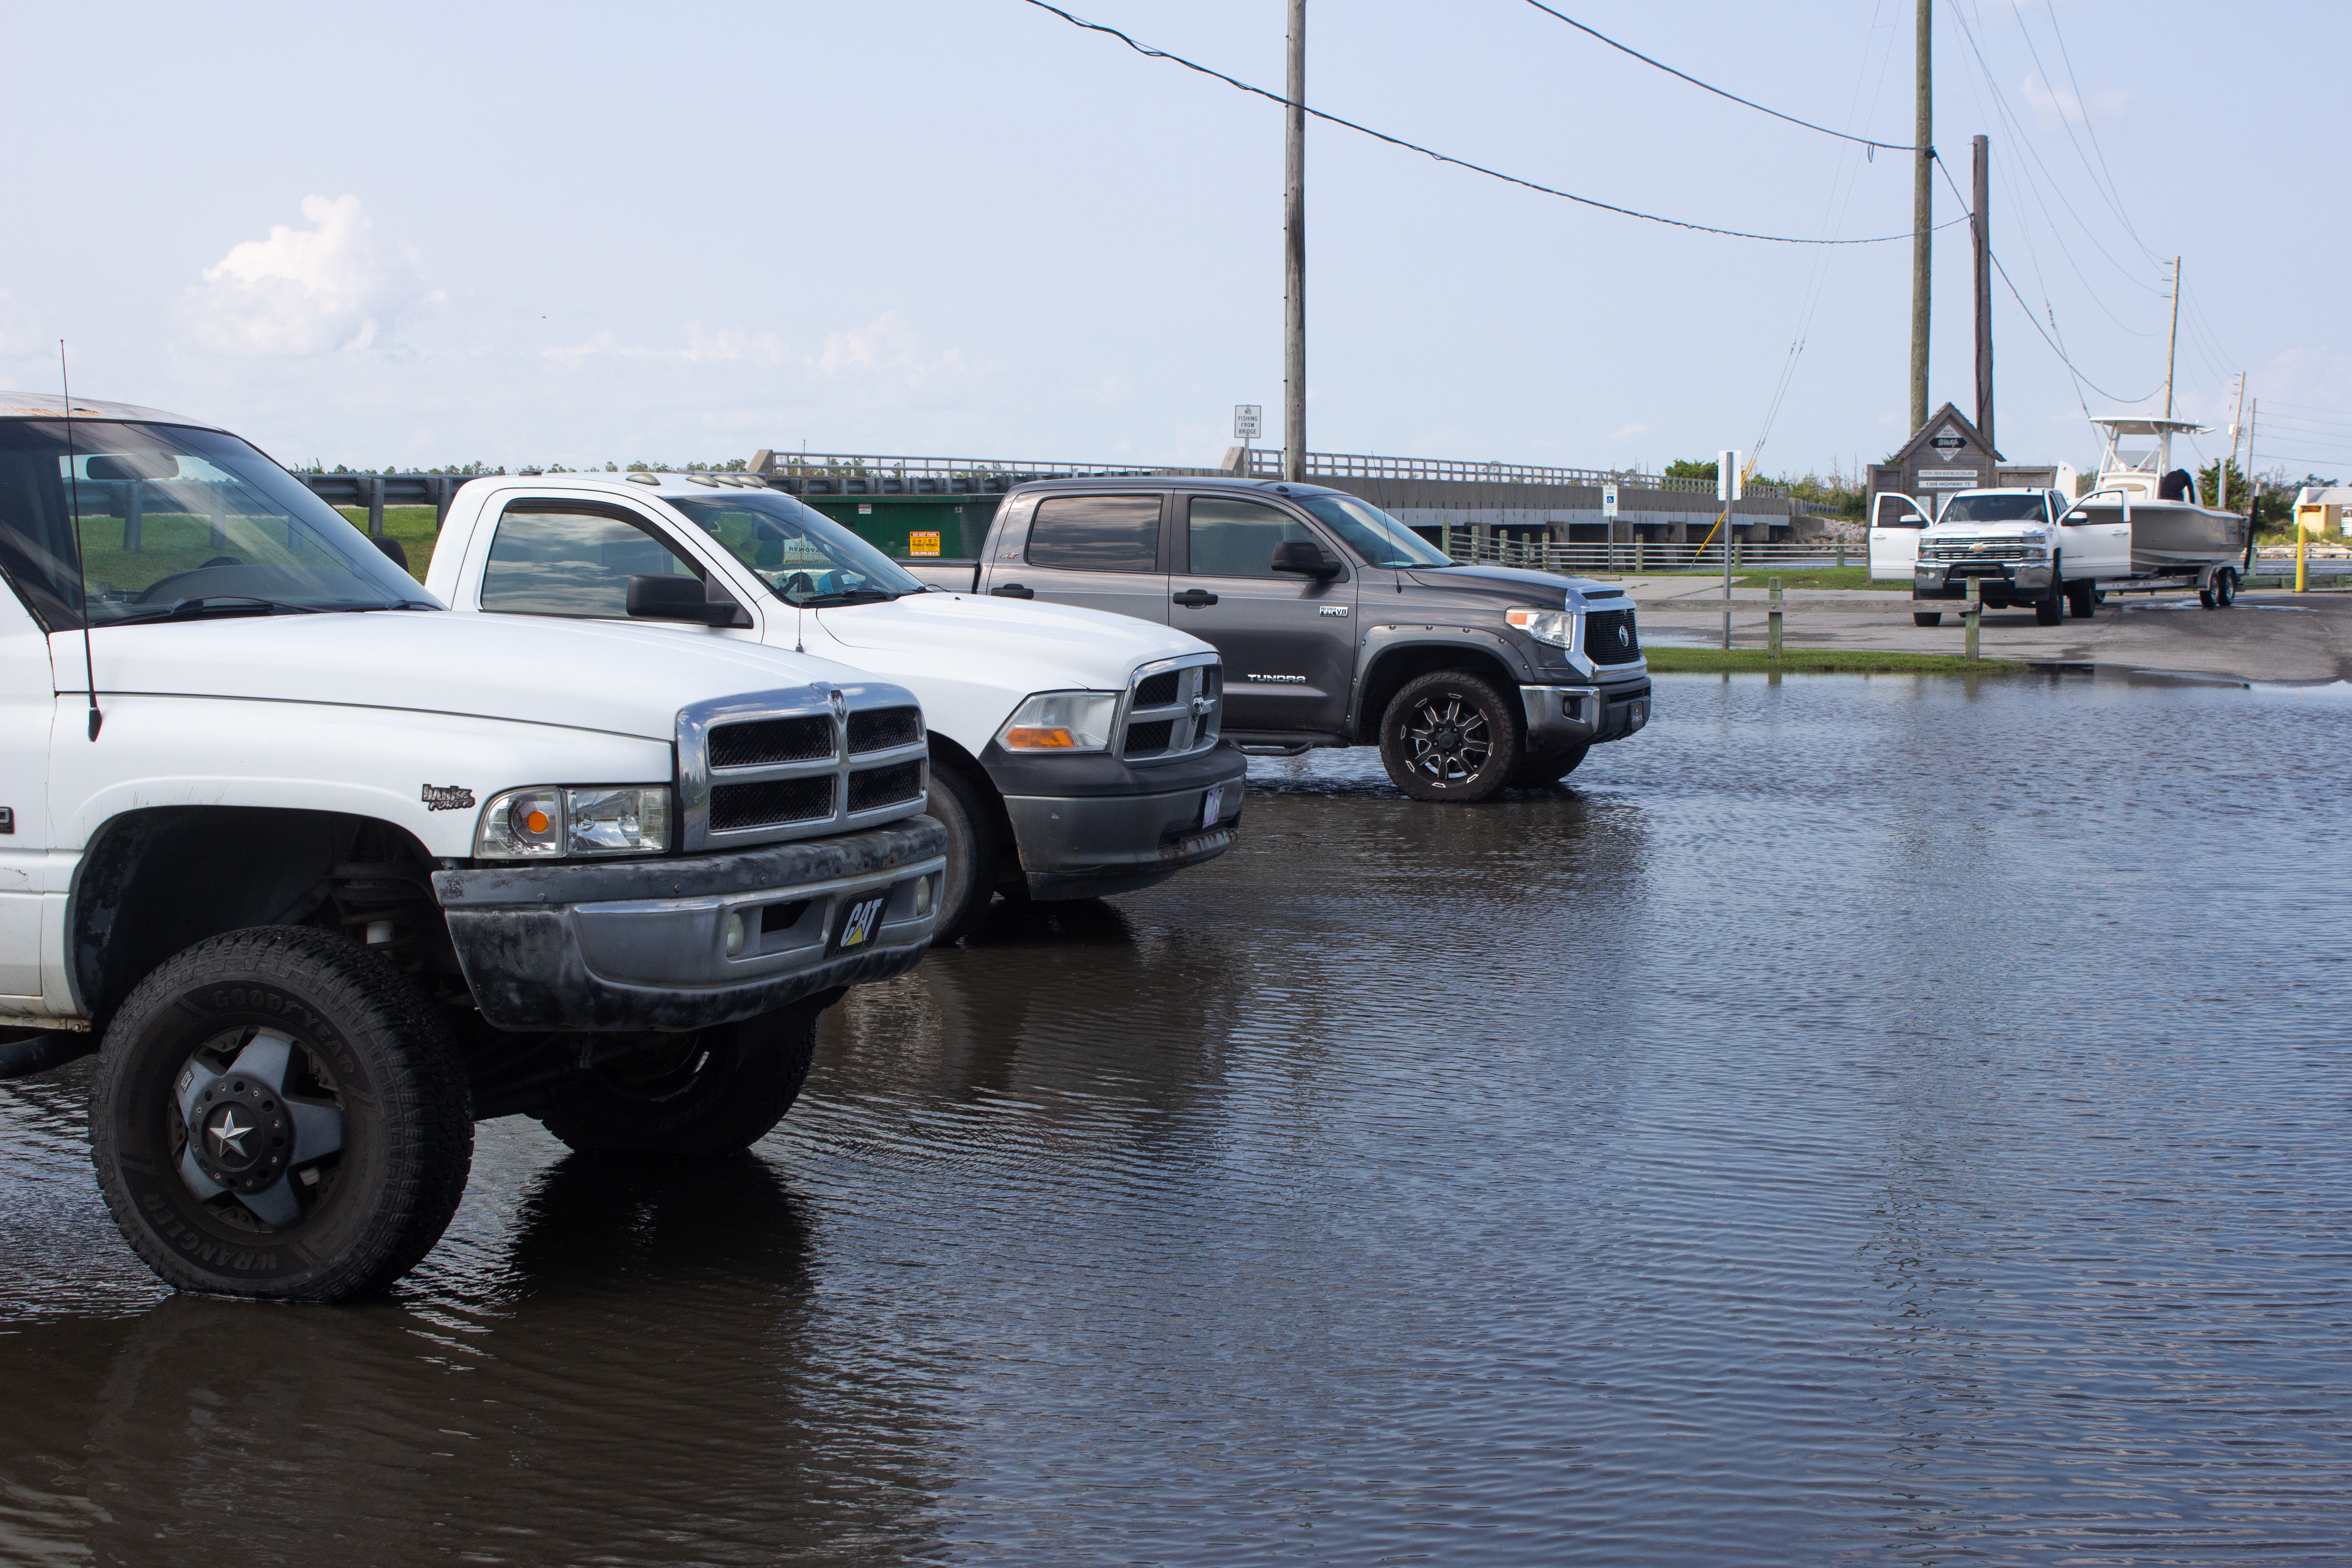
(1997, 581)
(642, 944)
(1562, 717)
(1107, 827)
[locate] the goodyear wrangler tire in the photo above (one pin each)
(693, 1096)
(279, 1113)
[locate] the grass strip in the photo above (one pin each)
(1820, 661)
(412, 525)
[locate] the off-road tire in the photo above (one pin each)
(703, 1095)
(1927, 617)
(975, 848)
(395, 1068)
(1498, 723)
(1541, 769)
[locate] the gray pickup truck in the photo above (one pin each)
(1339, 625)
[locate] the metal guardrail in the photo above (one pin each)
(1265, 463)
(1644, 555)
(870, 473)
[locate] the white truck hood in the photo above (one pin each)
(1025, 646)
(590, 675)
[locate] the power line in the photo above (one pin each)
(2054, 347)
(1150, 53)
(1750, 104)
(2090, 130)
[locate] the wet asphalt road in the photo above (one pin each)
(1867, 1120)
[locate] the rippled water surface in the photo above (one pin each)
(1865, 1120)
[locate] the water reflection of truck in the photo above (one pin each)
(2140, 528)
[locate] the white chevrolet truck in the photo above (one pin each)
(326, 874)
(1073, 753)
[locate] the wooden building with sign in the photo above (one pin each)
(1946, 454)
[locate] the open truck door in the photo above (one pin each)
(1895, 520)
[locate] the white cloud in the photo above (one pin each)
(890, 345)
(304, 291)
(1627, 432)
(2057, 107)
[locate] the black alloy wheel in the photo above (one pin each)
(279, 1112)
(1450, 736)
(693, 1096)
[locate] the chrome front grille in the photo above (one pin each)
(798, 764)
(1996, 550)
(1174, 708)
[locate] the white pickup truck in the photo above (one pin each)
(1073, 753)
(327, 874)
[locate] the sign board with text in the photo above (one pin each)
(922, 544)
(1249, 420)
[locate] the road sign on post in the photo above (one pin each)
(1249, 418)
(1609, 503)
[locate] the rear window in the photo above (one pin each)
(1096, 533)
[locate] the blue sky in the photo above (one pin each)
(540, 234)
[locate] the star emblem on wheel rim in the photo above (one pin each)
(228, 1134)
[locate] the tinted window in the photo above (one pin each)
(1096, 533)
(1236, 537)
(1995, 509)
(546, 562)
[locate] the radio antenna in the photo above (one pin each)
(73, 522)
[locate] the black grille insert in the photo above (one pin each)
(877, 787)
(1151, 737)
(1159, 690)
(770, 802)
(1609, 637)
(881, 729)
(766, 742)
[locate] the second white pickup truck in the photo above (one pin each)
(1073, 753)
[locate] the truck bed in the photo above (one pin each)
(956, 576)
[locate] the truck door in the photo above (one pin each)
(1099, 553)
(1894, 525)
(568, 557)
(2096, 539)
(1288, 640)
(27, 704)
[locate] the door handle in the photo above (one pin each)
(1195, 598)
(1011, 590)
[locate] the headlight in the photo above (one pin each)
(1556, 627)
(1061, 721)
(548, 823)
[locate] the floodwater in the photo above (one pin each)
(1867, 1120)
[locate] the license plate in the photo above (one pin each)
(1211, 805)
(861, 922)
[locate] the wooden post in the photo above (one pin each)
(1294, 252)
(1772, 620)
(1971, 614)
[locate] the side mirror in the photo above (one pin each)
(1305, 558)
(669, 597)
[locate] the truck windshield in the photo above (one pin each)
(174, 524)
(804, 556)
(1994, 508)
(1373, 534)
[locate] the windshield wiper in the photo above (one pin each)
(192, 609)
(853, 597)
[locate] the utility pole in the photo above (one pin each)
(1293, 255)
(2172, 343)
(1922, 206)
(1980, 230)
(2236, 416)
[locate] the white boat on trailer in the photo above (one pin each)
(2140, 528)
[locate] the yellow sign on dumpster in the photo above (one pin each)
(922, 544)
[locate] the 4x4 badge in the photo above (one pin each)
(448, 797)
